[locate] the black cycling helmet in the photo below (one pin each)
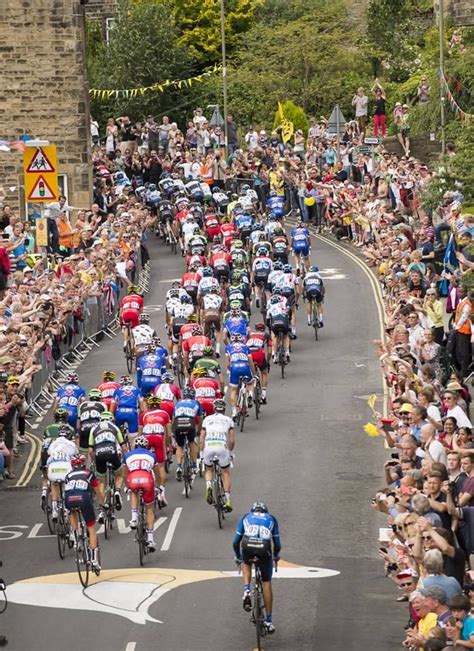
(61, 415)
(259, 507)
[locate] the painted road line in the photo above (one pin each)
(31, 462)
(171, 529)
(131, 646)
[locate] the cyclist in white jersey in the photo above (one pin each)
(218, 440)
(142, 335)
(60, 453)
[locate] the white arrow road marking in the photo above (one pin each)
(171, 529)
(131, 646)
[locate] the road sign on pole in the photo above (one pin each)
(40, 165)
(337, 126)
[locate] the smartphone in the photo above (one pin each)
(384, 550)
(395, 455)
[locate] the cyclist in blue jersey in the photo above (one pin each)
(186, 425)
(161, 351)
(276, 204)
(126, 403)
(69, 398)
(261, 267)
(258, 537)
(240, 365)
(235, 321)
(313, 288)
(149, 368)
(243, 222)
(301, 243)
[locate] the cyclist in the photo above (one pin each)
(240, 365)
(313, 288)
(180, 315)
(288, 283)
(207, 282)
(105, 442)
(69, 397)
(235, 321)
(107, 388)
(89, 415)
(131, 307)
(220, 261)
(155, 425)
(60, 453)
(211, 315)
(261, 267)
(257, 341)
(275, 276)
(186, 421)
(50, 434)
(218, 440)
(149, 370)
(165, 212)
(78, 486)
(211, 225)
(206, 389)
(258, 536)
(126, 404)
(142, 335)
(301, 244)
(190, 282)
(278, 318)
(276, 204)
(228, 231)
(211, 365)
(280, 244)
(244, 222)
(193, 346)
(139, 464)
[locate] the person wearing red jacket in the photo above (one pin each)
(107, 388)
(155, 424)
(207, 390)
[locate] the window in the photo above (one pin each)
(109, 23)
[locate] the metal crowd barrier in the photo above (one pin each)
(81, 335)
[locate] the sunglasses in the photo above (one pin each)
(426, 537)
(405, 585)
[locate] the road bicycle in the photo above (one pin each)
(83, 551)
(109, 514)
(63, 528)
(187, 470)
(257, 394)
(218, 493)
(180, 370)
(242, 402)
(140, 531)
(257, 617)
(171, 237)
(281, 354)
(128, 349)
(315, 318)
(48, 511)
(169, 457)
(301, 266)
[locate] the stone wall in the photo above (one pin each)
(461, 11)
(43, 90)
(101, 10)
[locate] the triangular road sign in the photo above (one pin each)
(336, 119)
(41, 191)
(40, 163)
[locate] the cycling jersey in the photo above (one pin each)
(165, 209)
(107, 390)
(186, 415)
(194, 190)
(220, 259)
(301, 241)
(89, 415)
(140, 463)
(312, 280)
(130, 308)
(217, 428)
(183, 311)
(207, 390)
(276, 206)
(206, 284)
(60, 453)
(168, 392)
(190, 282)
(255, 536)
(167, 186)
(69, 397)
(105, 437)
(243, 222)
(143, 335)
(126, 399)
(262, 266)
(274, 278)
(256, 342)
(211, 365)
(194, 345)
(239, 362)
(236, 325)
(149, 368)
(212, 303)
(211, 224)
(78, 485)
(238, 293)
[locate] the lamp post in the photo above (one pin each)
(441, 85)
(224, 74)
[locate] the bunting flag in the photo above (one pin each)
(455, 108)
(372, 400)
(287, 128)
(101, 93)
(371, 430)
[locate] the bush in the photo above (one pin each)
(294, 114)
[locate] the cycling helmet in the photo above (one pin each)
(196, 230)
(216, 239)
(200, 371)
(185, 298)
(273, 193)
(260, 326)
(277, 291)
(257, 227)
(207, 272)
(174, 293)
(142, 442)
(262, 251)
(196, 331)
(234, 196)
(144, 318)
(235, 305)
(236, 275)
(66, 431)
(213, 290)
(314, 269)
(106, 415)
(259, 507)
(261, 237)
(208, 350)
(272, 217)
(167, 377)
(287, 268)
(95, 394)
(152, 187)
(189, 393)
(236, 337)
(153, 401)
(78, 461)
(108, 375)
(239, 260)
(156, 341)
(278, 266)
(274, 300)
(192, 318)
(219, 405)
(237, 244)
(215, 189)
(72, 378)
(126, 379)
(132, 289)
(301, 224)
(175, 284)
(278, 229)
(245, 188)
(61, 415)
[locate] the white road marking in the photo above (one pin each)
(171, 529)
(34, 532)
(131, 646)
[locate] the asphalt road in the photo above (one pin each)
(307, 458)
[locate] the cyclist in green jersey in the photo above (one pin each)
(50, 434)
(211, 364)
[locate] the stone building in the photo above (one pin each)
(461, 11)
(44, 91)
(102, 10)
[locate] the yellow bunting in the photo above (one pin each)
(372, 400)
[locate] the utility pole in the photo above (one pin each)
(224, 75)
(441, 66)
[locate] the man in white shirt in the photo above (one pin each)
(432, 447)
(361, 102)
(251, 138)
(455, 410)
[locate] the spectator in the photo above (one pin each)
(380, 113)
(251, 139)
(424, 90)
(361, 102)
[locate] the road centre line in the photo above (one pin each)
(171, 529)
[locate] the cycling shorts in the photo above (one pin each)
(166, 216)
(147, 386)
(261, 279)
(142, 480)
(260, 359)
(280, 255)
(220, 452)
(302, 251)
(157, 445)
(207, 406)
(182, 436)
(237, 372)
(221, 273)
(81, 500)
(261, 550)
(211, 316)
(107, 454)
(280, 324)
(84, 437)
(314, 292)
(130, 316)
(129, 416)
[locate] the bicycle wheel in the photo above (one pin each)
(257, 395)
(62, 533)
(129, 356)
(314, 312)
(48, 509)
(82, 554)
(187, 475)
(217, 497)
(242, 406)
(258, 617)
(180, 371)
(169, 459)
(281, 354)
(141, 532)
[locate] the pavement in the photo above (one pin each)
(307, 457)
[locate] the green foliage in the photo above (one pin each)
(462, 164)
(294, 114)
(442, 181)
(199, 24)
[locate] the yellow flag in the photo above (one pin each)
(372, 400)
(371, 430)
(287, 128)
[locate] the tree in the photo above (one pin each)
(199, 24)
(143, 49)
(462, 164)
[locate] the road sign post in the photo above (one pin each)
(337, 126)
(40, 166)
